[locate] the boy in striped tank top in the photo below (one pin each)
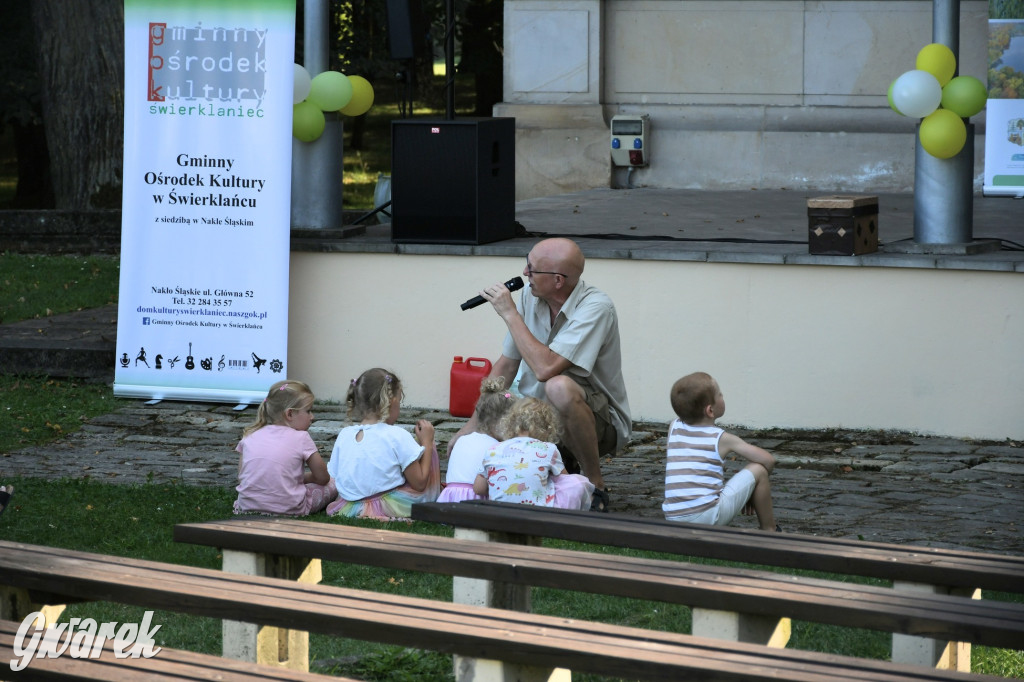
(695, 487)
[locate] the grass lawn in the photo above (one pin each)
(35, 410)
(137, 521)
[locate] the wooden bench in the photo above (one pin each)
(531, 641)
(765, 598)
(168, 664)
(918, 570)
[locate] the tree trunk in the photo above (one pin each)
(81, 68)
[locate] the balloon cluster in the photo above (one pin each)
(931, 93)
(328, 91)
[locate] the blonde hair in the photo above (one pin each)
(493, 403)
(534, 417)
(284, 395)
(690, 396)
(371, 394)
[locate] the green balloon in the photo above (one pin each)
(965, 96)
(943, 134)
(307, 121)
(330, 91)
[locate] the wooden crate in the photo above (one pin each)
(842, 224)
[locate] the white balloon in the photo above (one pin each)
(302, 84)
(916, 94)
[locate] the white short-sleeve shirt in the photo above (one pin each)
(373, 465)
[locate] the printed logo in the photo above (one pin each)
(197, 71)
(145, 321)
(82, 638)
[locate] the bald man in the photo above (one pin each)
(567, 333)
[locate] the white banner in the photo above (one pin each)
(203, 303)
(1004, 110)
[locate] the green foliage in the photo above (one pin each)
(36, 286)
(1006, 9)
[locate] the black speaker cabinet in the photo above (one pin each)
(453, 181)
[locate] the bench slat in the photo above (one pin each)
(951, 568)
(749, 591)
(523, 638)
(168, 664)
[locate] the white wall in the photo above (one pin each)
(934, 351)
(741, 93)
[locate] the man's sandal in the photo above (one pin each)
(599, 502)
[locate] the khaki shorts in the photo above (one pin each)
(607, 438)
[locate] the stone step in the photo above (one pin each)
(79, 345)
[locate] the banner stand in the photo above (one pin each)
(203, 296)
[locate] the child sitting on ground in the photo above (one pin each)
(379, 468)
(274, 453)
(527, 468)
(693, 473)
(469, 450)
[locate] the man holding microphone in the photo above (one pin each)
(567, 332)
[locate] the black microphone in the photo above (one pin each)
(514, 284)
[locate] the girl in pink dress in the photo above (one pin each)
(274, 454)
(527, 468)
(468, 452)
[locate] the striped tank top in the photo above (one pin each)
(693, 469)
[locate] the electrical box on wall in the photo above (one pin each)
(630, 137)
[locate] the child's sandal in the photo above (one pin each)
(599, 502)
(5, 496)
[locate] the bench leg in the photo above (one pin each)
(741, 627)
(933, 653)
(264, 644)
(501, 596)
(16, 604)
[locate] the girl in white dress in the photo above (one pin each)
(468, 452)
(380, 469)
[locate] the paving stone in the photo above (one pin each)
(941, 446)
(1001, 467)
(923, 467)
(769, 444)
(640, 436)
(164, 440)
(883, 486)
(816, 447)
(876, 450)
(119, 419)
(1008, 452)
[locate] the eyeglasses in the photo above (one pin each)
(530, 272)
